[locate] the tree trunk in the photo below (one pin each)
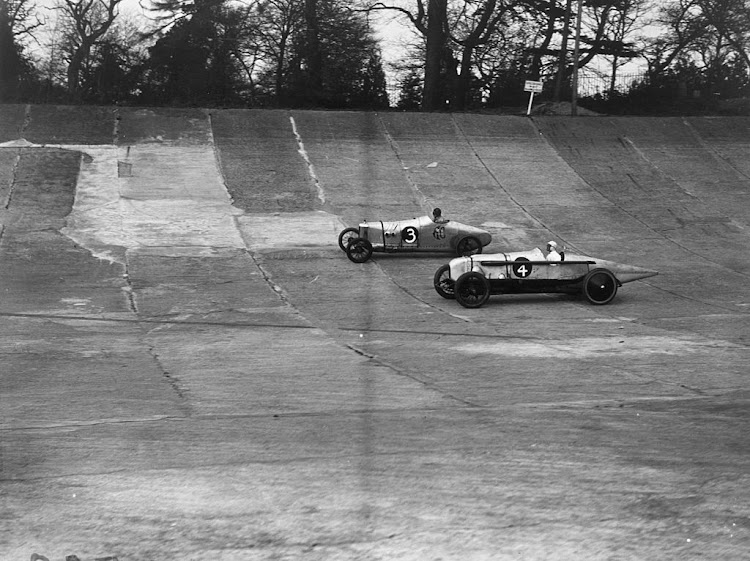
(314, 55)
(74, 68)
(460, 97)
(433, 96)
(548, 34)
(613, 78)
(562, 64)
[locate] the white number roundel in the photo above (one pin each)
(410, 234)
(522, 268)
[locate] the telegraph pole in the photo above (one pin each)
(576, 50)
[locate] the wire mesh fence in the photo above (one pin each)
(591, 82)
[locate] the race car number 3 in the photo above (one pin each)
(410, 234)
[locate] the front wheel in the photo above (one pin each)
(359, 250)
(600, 286)
(468, 246)
(346, 236)
(472, 289)
(444, 284)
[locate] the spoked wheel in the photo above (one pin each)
(472, 289)
(346, 236)
(359, 250)
(468, 246)
(600, 286)
(444, 284)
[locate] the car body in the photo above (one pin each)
(472, 279)
(412, 235)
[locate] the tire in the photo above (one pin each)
(599, 286)
(444, 284)
(468, 246)
(359, 250)
(346, 236)
(472, 289)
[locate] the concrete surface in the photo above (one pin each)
(192, 369)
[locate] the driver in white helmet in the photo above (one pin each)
(552, 253)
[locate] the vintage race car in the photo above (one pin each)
(471, 280)
(415, 234)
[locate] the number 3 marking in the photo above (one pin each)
(410, 234)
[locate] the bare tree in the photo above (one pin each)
(681, 28)
(430, 18)
(480, 26)
(87, 22)
(278, 21)
(453, 32)
(624, 21)
(731, 20)
(22, 16)
(710, 36)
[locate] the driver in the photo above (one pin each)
(552, 254)
(437, 216)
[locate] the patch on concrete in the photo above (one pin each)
(594, 347)
(174, 196)
(293, 230)
(19, 143)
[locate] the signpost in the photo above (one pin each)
(532, 86)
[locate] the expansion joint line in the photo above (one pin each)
(421, 198)
(310, 167)
(129, 290)
(711, 149)
(424, 380)
(13, 180)
(116, 127)
(217, 158)
(26, 120)
(173, 382)
(268, 280)
(494, 177)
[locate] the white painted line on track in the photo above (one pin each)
(311, 169)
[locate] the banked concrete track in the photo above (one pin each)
(192, 369)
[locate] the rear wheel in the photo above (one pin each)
(600, 286)
(346, 236)
(468, 246)
(359, 250)
(444, 284)
(472, 289)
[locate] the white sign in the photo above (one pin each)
(532, 86)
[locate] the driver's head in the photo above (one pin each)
(437, 212)
(551, 245)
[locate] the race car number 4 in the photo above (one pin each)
(522, 268)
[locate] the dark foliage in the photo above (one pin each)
(16, 73)
(683, 89)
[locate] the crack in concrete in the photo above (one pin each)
(424, 380)
(422, 198)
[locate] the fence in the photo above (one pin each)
(591, 82)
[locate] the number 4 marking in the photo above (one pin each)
(521, 268)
